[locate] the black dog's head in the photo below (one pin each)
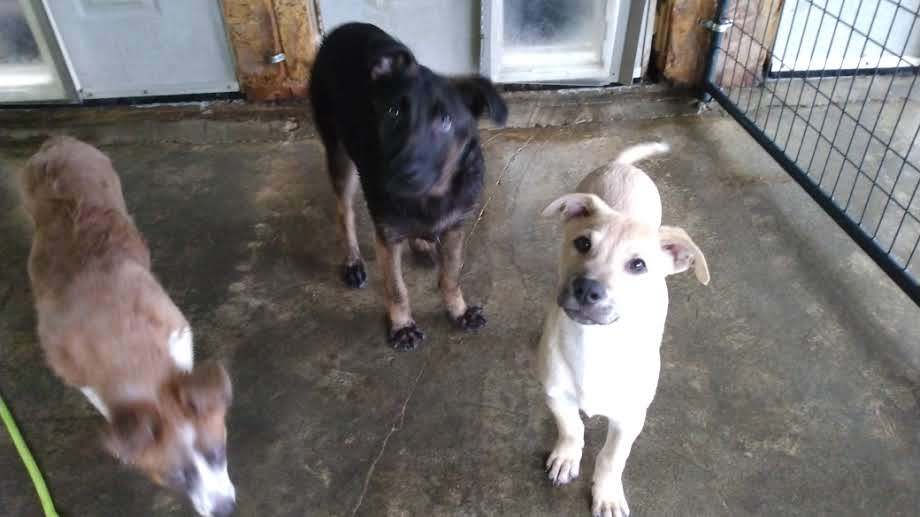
(425, 121)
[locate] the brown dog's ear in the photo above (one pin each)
(394, 63)
(205, 389)
(576, 205)
(682, 252)
(132, 430)
(480, 95)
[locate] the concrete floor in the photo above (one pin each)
(789, 386)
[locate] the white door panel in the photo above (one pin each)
(132, 48)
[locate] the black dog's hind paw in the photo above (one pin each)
(354, 275)
(472, 319)
(406, 338)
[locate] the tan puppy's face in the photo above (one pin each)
(611, 264)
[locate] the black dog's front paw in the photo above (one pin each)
(472, 319)
(406, 338)
(354, 275)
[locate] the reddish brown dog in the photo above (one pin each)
(108, 328)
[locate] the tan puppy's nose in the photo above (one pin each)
(588, 292)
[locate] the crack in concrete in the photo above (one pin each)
(485, 144)
(501, 176)
(393, 428)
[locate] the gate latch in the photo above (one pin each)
(717, 26)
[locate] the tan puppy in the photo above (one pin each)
(600, 347)
(109, 329)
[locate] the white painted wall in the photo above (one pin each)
(811, 38)
(443, 34)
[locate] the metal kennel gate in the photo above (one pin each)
(827, 87)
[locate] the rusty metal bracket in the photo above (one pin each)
(717, 26)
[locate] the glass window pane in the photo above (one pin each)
(554, 38)
(27, 71)
(562, 24)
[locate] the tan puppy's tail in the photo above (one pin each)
(641, 151)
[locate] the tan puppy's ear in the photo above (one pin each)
(577, 205)
(683, 252)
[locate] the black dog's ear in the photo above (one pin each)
(392, 64)
(479, 94)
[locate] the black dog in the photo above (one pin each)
(413, 137)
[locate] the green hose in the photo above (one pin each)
(28, 460)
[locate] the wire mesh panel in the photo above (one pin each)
(829, 88)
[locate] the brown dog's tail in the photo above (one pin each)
(67, 170)
(640, 152)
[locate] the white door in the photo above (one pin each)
(563, 41)
(135, 48)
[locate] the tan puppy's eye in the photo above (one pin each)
(636, 266)
(582, 244)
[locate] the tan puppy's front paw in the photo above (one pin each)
(609, 500)
(563, 463)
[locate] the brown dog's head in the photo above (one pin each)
(67, 170)
(613, 266)
(180, 441)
